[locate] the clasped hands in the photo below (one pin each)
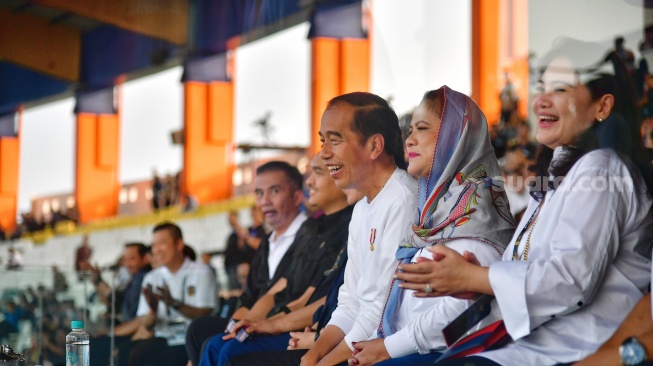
(448, 274)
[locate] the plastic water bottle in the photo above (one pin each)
(77, 347)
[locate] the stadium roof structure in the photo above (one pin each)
(51, 49)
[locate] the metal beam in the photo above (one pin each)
(164, 19)
(35, 43)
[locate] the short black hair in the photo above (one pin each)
(142, 248)
(293, 175)
(374, 115)
(172, 228)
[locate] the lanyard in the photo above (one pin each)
(515, 249)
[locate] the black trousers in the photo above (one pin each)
(199, 331)
(101, 350)
(151, 352)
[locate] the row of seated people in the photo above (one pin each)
(416, 264)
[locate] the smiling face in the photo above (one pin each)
(343, 152)
(278, 200)
(165, 249)
(322, 190)
(133, 260)
(563, 106)
(421, 141)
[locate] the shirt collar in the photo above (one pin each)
(292, 229)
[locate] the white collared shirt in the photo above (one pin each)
(279, 244)
(382, 223)
(588, 265)
(193, 284)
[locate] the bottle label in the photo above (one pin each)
(71, 359)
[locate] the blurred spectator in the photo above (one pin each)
(12, 314)
(206, 259)
(523, 141)
(497, 141)
(509, 100)
(626, 55)
(234, 253)
(643, 70)
(2, 233)
(515, 171)
(157, 186)
(82, 256)
(59, 280)
(254, 234)
(168, 191)
(136, 263)
(188, 203)
(14, 259)
(54, 346)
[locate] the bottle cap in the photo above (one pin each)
(77, 324)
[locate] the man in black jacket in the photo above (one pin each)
(279, 196)
(319, 242)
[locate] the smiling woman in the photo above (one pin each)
(580, 258)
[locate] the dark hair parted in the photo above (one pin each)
(293, 175)
(373, 115)
(142, 248)
(172, 228)
(620, 131)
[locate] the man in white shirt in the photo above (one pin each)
(173, 294)
(363, 150)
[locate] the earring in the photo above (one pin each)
(600, 119)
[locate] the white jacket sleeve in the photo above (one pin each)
(423, 332)
(570, 252)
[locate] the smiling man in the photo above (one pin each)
(320, 242)
(278, 189)
(362, 149)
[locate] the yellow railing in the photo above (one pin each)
(167, 214)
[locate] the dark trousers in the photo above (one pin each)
(151, 352)
(200, 330)
(218, 352)
(100, 354)
(271, 358)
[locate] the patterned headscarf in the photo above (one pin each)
(459, 199)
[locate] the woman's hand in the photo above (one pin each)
(449, 274)
(369, 353)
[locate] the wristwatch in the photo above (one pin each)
(631, 352)
(176, 304)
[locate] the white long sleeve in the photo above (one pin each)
(588, 265)
(384, 221)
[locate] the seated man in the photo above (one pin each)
(299, 341)
(321, 242)
(278, 187)
(135, 259)
(173, 294)
(136, 262)
(363, 150)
